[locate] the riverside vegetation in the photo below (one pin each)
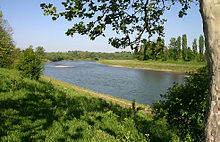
(91, 56)
(34, 109)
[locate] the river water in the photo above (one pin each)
(142, 85)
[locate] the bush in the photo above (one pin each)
(30, 64)
(184, 106)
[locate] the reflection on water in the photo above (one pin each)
(142, 85)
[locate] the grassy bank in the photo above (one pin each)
(121, 102)
(171, 66)
(55, 111)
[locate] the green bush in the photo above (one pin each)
(30, 64)
(184, 106)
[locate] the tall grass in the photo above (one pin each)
(41, 111)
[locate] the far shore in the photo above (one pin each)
(175, 67)
(120, 66)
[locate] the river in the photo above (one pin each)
(144, 86)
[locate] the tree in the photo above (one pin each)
(144, 17)
(184, 47)
(173, 54)
(6, 43)
(95, 16)
(40, 51)
(149, 50)
(211, 21)
(179, 47)
(141, 55)
(30, 64)
(194, 46)
(160, 46)
(201, 47)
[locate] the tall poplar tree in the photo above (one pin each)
(184, 47)
(201, 47)
(194, 46)
(179, 47)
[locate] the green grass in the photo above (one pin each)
(42, 111)
(173, 66)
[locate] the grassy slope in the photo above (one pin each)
(173, 66)
(122, 102)
(43, 111)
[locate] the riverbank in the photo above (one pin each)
(122, 102)
(168, 66)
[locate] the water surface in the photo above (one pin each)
(142, 85)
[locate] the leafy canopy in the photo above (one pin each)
(6, 43)
(130, 20)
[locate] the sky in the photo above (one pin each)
(31, 27)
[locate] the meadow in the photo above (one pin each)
(170, 66)
(42, 110)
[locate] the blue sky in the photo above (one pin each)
(31, 27)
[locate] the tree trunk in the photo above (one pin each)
(210, 11)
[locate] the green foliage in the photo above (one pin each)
(6, 43)
(30, 64)
(158, 51)
(184, 47)
(173, 50)
(194, 46)
(151, 50)
(201, 48)
(134, 109)
(189, 54)
(40, 51)
(93, 17)
(54, 57)
(179, 47)
(184, 106)
(81, 55)
(33, 110)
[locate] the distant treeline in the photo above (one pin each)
(85, 55)
(176, 50)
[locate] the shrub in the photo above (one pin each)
(184, 106)
(30, 64)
